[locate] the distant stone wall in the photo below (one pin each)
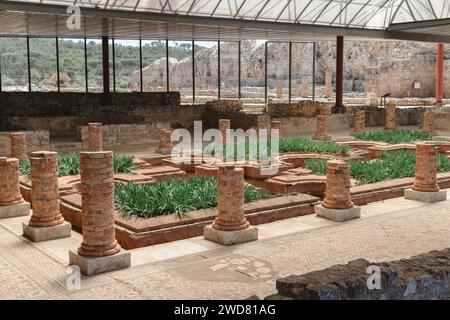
(62, 112)
(226, 105)
(376, 116)
(291, 126)
(36, 141)
(304, 108)
(123, 134)
(238, 119)
(426, 276)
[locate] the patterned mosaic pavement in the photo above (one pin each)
(28, 271)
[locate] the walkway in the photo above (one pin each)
(195, 268)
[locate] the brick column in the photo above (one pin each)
(390, 117)
(328, 87)
(44, 189)
(9, 182)
(230, 226)
(230, 207)
(46, 221)
(97, 192)
(426, 168)
(18, 145)
(337, 204)
(224, 124)
(337, 190)
(428, 122)
(165, 142)
(95, 136)
(360, 121)
(12, 203)
(321, 128)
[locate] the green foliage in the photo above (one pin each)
(394, 136)
(307, 145)
(13, 52)
(69, 164)
(173, 196)
(253, 150)
(391, 165)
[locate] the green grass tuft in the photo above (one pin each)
(173, 196)
(394, 136)
(391, 165)
(69, 164)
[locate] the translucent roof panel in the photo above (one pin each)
(370, 14)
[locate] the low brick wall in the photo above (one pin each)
(304, 108)
(123, 134)
(241, 120)
(426, 276)
(226, 105)
(36, 141)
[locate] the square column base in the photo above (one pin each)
(17, 210)
(322, 138)
(228, 238)
(94, 265)
(338, 215)
(47, 233)
(428, 197)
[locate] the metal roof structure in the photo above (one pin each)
(289, 20)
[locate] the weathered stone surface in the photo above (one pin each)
(426, 276)
(228, 238)
(338, 215)
(21, 209)
(94, 265)
(38, 234)
(428, 197)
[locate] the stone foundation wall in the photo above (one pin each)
(62, 113)
(305, 108)
(426, 276)
(36, 141)
(237, 119)
(295, 125)
(376, 116)
(123, 134)
(226, 105)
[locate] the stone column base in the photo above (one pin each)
(17, 210)
(228, 238)
(322, 138)
(164, 151)
(427, 197)
(47, 233)
(94, 265)
(338, 215)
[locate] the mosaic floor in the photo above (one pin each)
(197, 269)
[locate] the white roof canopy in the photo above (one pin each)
(227, 19)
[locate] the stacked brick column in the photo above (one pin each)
(337, 190)
(390, 117)
(44, 190)
(230, 207)
(18, 145)
(360, 120)
(9, 182)
(165, 142)
(224, 124)
(95, 136)
(428, 122)
(321, 127)
(426, 168)
(97, 191)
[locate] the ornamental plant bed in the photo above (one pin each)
(394, 136)
(148, 228)
(391, 165)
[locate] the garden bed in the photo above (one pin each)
(394, 136)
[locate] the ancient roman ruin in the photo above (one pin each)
(224, 150)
